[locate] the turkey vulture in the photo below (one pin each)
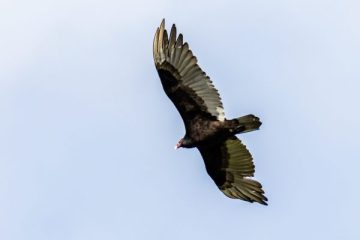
(227, 160)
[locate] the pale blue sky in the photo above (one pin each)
(87, 133)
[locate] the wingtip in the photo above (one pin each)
(264, 201)
(179, 41)
(161, 31)
(155, 44)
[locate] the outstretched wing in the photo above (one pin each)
(230, 165)
(188, 87)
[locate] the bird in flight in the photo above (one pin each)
(227, 160)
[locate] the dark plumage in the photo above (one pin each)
(227, 160)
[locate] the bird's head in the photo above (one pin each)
(179, 144)
(184, 142)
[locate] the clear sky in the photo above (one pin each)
(87, 133)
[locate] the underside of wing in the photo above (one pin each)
(231, 167)
(189, 88)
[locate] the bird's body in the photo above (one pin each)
(226, 159)
(202, 131)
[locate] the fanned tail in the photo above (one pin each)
(247, 123)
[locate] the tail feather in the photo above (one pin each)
(248, 123)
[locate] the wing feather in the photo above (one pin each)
(173, 36)
(231, 167)
(189, 88)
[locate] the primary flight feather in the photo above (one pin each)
(227, 160)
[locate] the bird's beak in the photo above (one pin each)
(177, 146)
